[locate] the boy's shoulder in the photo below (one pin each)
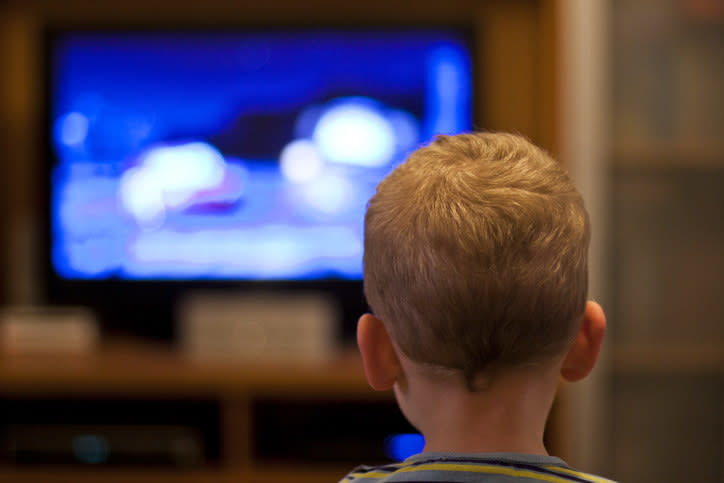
(466, 468)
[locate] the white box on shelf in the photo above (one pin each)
(265, 326)
(48, 329)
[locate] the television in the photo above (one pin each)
(231, 159)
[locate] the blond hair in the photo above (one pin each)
(475, 254)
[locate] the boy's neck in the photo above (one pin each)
(508, 416)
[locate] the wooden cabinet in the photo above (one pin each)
(516, 69)
(237, 391)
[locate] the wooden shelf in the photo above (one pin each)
(672, 153)
(668, 358)
(64, 475)
(129, 368)
(140, 373)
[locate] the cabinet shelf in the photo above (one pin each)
(668, 154)
(668, 358)
(139, 379)
(127, 368)
(65, 475)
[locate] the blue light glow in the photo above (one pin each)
(355, 132)
(239, 156)
(399, 447)
(278, 251)
(91, 449)
(142, 196)
(330, 193)
(181, 171)
(72, 128)
(407, 130)
(449, 90)
(300, 161)
(169, 177)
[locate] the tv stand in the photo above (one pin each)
(257, 422)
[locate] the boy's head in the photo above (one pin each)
(476, 254)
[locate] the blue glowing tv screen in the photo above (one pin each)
(237, 155)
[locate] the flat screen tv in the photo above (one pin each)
(187, 159)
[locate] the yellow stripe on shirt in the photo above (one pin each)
(487, 469)
(585, 476)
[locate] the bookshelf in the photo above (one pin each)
(666, 264)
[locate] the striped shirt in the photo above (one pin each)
(472, 468)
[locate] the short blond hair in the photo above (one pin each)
(475, 254)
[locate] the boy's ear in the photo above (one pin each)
(582, 355)
(381, 364)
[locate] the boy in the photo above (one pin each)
(475, 268)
